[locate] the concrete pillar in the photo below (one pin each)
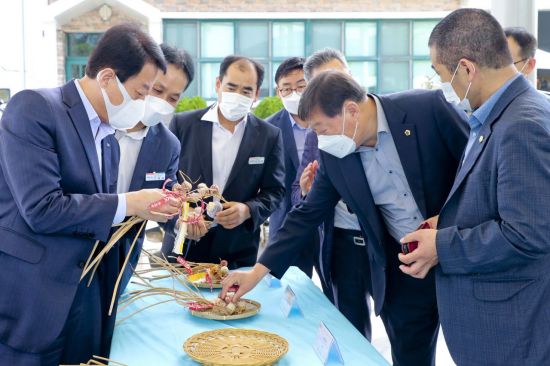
(517, 13)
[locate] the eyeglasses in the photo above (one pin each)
(517, 62)
(285, 92)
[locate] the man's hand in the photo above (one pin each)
(137, 204)
(419, 262)
(245, 280)
(233, 214)
(306, 179)
(432, 221)
(197, 230)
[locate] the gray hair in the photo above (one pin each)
(321, 57)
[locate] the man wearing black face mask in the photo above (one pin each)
(228, 146)
(58, 172)
(392, 160)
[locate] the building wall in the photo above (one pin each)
(88, 22)
(304, 5)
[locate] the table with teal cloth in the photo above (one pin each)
(155, 336)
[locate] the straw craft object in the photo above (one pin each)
(236, 347)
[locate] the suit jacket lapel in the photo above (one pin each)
(404, 137)
(145, 157)
(250, 138)
(517, 87)
(80, 120)
(288, 136)
(203, 151)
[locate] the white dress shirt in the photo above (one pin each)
(225, 146)
(99, 132)
(130, 146)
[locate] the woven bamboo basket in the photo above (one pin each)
(252, 308)
(236, 347)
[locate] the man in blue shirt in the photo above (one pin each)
(392, 160)
(58, 173)
(490, 247)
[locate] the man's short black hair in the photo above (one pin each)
(289, 65)
(124, 48)
(473, 34)
(328, 91)
(230, 60)
(525, 40)
(181, 59)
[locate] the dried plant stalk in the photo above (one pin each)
(98, 360)
(121, 274)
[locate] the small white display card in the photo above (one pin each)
(271, 281)
(289, 304)
(326, 347)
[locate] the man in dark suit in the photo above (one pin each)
(393, 164)
(291, 83)
(344, 273)
(228, 146)
(491, 246)
(149, 152)
(58, 170)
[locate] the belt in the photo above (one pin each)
(354, 235)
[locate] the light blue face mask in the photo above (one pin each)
(453, 98)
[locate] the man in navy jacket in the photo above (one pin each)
(491, 247)
(58, 172)
(393, 164)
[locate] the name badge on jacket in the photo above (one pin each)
(154, 177)
(256, 160)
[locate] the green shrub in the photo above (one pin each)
(267, 107)
(190, 104)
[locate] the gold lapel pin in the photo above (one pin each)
(407, 132)
(480, 139)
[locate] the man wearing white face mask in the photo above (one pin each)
(149, 152)
(58, 172)
(291, 83)
(490, 249)
(392, 160)
(228, 146)
(523, 46)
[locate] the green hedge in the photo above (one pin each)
(190, 104)
(267, 107)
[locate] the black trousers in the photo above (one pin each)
(409, 312)
(351, 280)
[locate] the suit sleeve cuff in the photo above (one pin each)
(445, 255)
(120, 209)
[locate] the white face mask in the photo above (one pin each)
(453, 98)
(338, 145)
(235, 106)
(128, 113)
(157, 110)
(291, 102)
